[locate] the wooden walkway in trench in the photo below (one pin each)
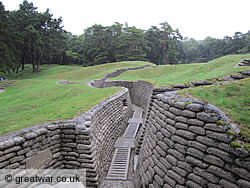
(117, 176)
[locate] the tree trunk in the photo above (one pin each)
(38, 65)
(34, 67)
(33, 63)
(39, 57)
(17, 69)
(23, 63)
(22, 66)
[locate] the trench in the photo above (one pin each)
(70, 138)
(123, 165)
(122, 170)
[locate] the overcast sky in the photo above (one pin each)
(194, 18)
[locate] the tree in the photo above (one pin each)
(153, 52)
(169, 38)
(8, 53)
(130, 45)
(211, 48)
(163, 44)
(31, 37)
(74, 49)
(53, 40)
(97, 44)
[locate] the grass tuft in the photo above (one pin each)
(235, 144)
(220, 122)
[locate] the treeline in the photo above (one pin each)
(31, 37)
(120, 42)
(211, 48)
(160, 45)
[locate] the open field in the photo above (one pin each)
(178, 74)
(74, 73)
(36, 98)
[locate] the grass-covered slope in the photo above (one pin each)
(233, 99)
(75, 73)
(35, 98)
(178, 74)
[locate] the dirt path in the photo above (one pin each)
(106, 77)
(69, 82)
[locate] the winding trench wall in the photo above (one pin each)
(140, 91)
(185, 147)
(83, 142)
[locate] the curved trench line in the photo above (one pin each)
(68, 82)
(142, 90)
(139, 90)
(140, 93)
(113, 74)
(171, 92)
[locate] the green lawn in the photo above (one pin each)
(178, 74)
(233, 99)
(35, 98)
(74, 73)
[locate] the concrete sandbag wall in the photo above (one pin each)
(84, 142)
(187, 144)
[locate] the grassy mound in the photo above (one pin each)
(178, 74)
(233, 99)
(35, 98)
(75, 73)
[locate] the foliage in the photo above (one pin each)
(211, 48)
(115, 43)
(220, 122)
(230, 133)
(235, 144)
(247, 146)
(29, 37)
(162, 44)
(8, 57)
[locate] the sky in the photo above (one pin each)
(194, 18)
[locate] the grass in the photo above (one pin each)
(74, 73)
(233, 99)
(35, 98)
(177, 74)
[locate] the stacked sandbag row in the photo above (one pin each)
(188, 143)
(86, 142)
